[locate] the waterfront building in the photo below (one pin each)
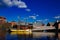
(59, 24)
(38, 24)
(2, 20)
(51, 24)
(24, 25)
(3, 24)
(30, 25)
(13, 23)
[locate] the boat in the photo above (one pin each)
(19, 31)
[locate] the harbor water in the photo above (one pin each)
(33, 36)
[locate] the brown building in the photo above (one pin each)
(51, 24)
(2, 20)
(59, 25)
(13, 23)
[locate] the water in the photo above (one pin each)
(33, 36)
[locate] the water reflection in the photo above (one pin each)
(59, 36)
(33, 36)
(2, 35)
(44, 36)
(25, 37)
(11, 37)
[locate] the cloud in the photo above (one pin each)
(57, 17)
(8, 2)
(26, 18)
(0, 3)
(39, 20)
(35, 14)
(45, 19)
(42, 20)
(28, 10)
(34, 17)
(19, 4)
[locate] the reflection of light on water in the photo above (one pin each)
(35, 34)
(13, 33)
(59, 36)
(39, 34)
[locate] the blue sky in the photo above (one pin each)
(34, 10)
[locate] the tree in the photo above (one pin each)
(15, 26)
(48, 24)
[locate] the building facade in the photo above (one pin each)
(13, 23)
(2, 20)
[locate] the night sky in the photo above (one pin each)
(34, 10)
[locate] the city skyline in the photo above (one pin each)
(33, 10)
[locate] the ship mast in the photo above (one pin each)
(18, 22)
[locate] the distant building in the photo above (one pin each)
(38, 24)
(2, 20)
(30, 25)
(13, 23)
(24, 25)
(59, 24)
(51, 24)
